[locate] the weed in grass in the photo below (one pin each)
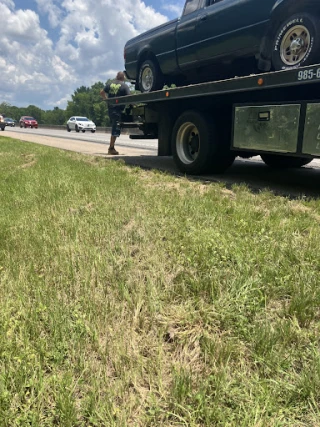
(304, 304)
(307, 382)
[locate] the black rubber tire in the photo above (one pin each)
(76, 128)
(157, 83)
(68, 129)
(313, 52)
(3, 128)
(93, 131)
(25, 126)
(284, 162)
(83, 131)
(214, 154)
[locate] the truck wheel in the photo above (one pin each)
(284, 162)
(150, 77)
(296, 42)
(77, 128)
(197, 147)
(2, 128)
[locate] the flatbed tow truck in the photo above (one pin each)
(206, 126)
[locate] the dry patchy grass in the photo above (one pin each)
(133, 298)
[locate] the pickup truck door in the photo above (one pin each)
(225, 27)
(186, 34)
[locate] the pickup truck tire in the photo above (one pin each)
(196, 145)
(2, 127)
(284, 162)
(76, 128)
(296, 42)
(150, 77)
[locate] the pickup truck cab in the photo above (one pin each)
(214, 34)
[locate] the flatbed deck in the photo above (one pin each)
(272, 80)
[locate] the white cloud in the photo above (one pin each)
(22, 25)
(89, 37)
(9, 3)
(175, 8)
(52, 10)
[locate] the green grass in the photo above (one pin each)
(133, 298)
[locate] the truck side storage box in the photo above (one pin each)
(311, 138)
(267, 127)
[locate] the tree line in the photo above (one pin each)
(86, 101)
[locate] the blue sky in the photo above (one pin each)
(49, 48)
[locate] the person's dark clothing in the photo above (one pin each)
(115, 118)
(115, 89)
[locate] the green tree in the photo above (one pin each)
(11, 111)
(55, 116)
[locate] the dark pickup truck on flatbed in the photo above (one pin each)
(213, 36)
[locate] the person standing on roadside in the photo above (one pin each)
(114, 89)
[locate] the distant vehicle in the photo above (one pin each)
(9, 122)
(28, 122)
(213, 37)
(2, 122)
(82, 124)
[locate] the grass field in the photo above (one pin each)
(134, 298)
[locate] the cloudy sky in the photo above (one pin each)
(49, 48)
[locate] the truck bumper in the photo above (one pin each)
(128, 78)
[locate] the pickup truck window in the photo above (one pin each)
(191, 6)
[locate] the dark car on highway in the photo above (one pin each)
(213, 35)
(28, 122)
(9, 121)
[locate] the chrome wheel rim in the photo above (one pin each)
(147, 79)
(295, 45)
(188, 143)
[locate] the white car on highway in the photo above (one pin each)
(82, 124)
